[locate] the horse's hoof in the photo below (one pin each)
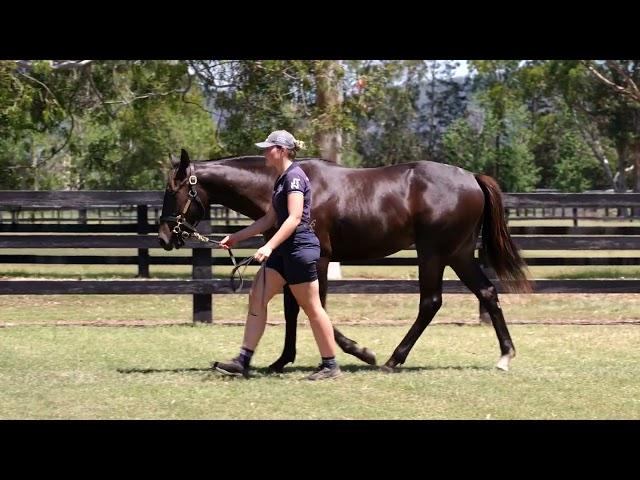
(503, 363)
(367, 356)
(387, 369)
(276, 367)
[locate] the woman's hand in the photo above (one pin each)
(263, 253)
(228, 242)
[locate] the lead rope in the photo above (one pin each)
(236, 265)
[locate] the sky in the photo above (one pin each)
(463, 69)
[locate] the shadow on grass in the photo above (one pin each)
(264, 371)
(162, 370)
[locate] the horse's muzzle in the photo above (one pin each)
(166, 237)
(168, 246)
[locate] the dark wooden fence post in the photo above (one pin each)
(143, 253)
(202, 304)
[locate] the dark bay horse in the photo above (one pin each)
(367, 213)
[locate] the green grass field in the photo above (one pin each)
(342, 308)
(561, 372)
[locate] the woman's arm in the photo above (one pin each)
(263, 223)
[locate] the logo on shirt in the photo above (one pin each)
(279, 189)
(295, 183)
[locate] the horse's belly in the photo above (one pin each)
(369, 246)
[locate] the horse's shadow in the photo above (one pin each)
(162, 370)
(264, 371)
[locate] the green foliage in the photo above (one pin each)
(611, 117)
(113, 124)
(9, 152)
(391, 137)
(515, 165)
(110, 125)
(498, 94)
(443, 102)
(482, 144)
(377, 116)
(576, 168)
(258, 97)
(469, 148)
(387, 118)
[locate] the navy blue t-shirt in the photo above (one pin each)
(294, 180)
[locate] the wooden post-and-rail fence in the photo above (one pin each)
(138, 232)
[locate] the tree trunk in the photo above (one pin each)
(34, 166)
(635, 152)
(620, 178)
(635, 155)
(328, 136)
(594, 143)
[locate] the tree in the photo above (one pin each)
(497, 93)
(576, 167)
(443, 100)
(604, 116)
(98, 124)
(622, 77)
(328, 131)
(344, 107)
(250, 98)
(387, 118)
(469, 142)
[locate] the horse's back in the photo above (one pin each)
(425, 170)
(420, 185)
(384, 207)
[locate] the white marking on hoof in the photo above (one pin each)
(503, 363)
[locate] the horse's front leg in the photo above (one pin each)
(291, 310)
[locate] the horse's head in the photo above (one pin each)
(183, 206)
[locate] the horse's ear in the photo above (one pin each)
(175, 161)
(184, 156)
(184, 164)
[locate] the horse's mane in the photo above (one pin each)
(230, 157)
(255, 157)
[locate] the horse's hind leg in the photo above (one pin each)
(474, 278)
(352, 348)
(291, 310)
(430, 273)
(346, 344)
(483, 315)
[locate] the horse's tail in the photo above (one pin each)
(497, 243)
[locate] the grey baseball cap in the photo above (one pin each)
(279, 137)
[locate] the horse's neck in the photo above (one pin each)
(244, 188)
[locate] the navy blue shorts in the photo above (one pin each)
(298, 266)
